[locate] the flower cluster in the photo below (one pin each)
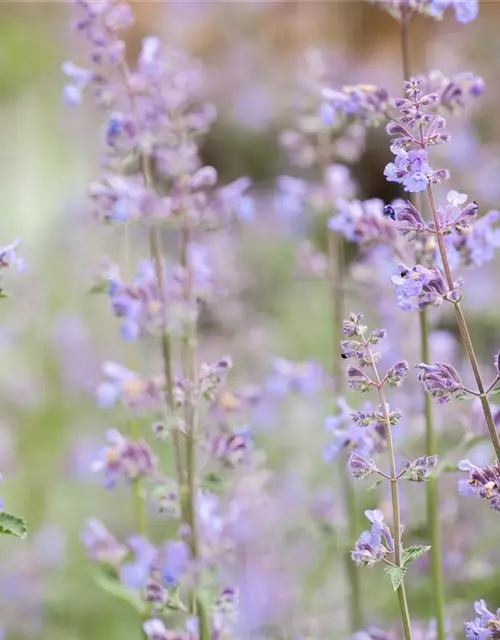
(465, 10)
(483, 481)
(486, 625)
(372, 546)
(125, 458)
(415, 130)
(418, 287)
(442, 382)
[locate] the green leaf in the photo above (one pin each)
(376, 484)
(99, 287)
(120, 591)
(495, 391)
(410, 554)
(396, 574)
(11, 525)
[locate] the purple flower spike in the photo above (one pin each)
(372, 546)
(361, 467)
(442, 382)
(419, 469)
(485, 626)
(483, 481)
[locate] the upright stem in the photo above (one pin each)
(196, 605)
(433, 520)
(464, 330)
(396, 512)
(336, 272)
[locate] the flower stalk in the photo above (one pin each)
(337, 277)
(433, 520)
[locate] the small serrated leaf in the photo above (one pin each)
(495, 391)
(99, 287)
(120, 591)
(396, 574)
(375, 485)
(412, 553)
(12, 525)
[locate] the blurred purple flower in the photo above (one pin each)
(123, 458)
(486, 624)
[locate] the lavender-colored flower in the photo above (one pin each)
(483, 481)
(101, 545)
(413, 132)
(410, 169)
(9, 256)
(175, 562)
(485, 626)
(396, 374)
(367, 103)
(363, 222)
(475, 245)
(419, 470)
(408, 217)
(361, 467)
(213, 376)
(373, 545)
(124, 385)
(348, 435)
(123, 458)
(294, 377)
(418, 287)
(465, 10)
(358, 380)
(353, 326)
(232, 449)
(134, 573)
(442, 382)
(156, 630)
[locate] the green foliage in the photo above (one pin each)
(412, 553)
(12, 525)
(396, 574)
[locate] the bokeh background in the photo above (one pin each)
(54, 334)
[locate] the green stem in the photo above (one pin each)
(337, 277)
(196, 605)
(396, 511)
(433, 519)
(430, 433)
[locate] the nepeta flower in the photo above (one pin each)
(419, 470)
(486, 625)
(101, 545)
(465, 10)
(483, 481)
(373, 545)
(361, 467)
(294, 377)
(213, 376)
(416, 129)
(9, 257)
(124, 458)
(348, 434)
(442, 382)
(129, 387)
(363, 222)
(475, 245)
(410, 169)
(368, 103)
(396, 374)
(418, 287)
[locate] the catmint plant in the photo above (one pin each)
(330, 129)
(381, 544)
(153, 178)
(10, 524)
